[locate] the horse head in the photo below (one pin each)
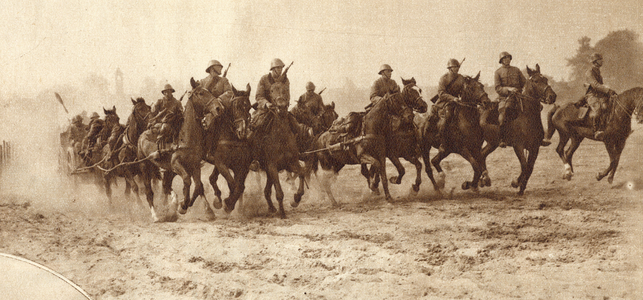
(111, 118)
(201, 97)
(538, 87)
(327, 117)
(473, 91)
(241, 111)
(412, 95)
(279, 94)
(140, 109)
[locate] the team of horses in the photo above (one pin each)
(393, 128)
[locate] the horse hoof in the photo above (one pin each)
(183, 210)
(294, 204)
(441, 182)
(599, 177)
(217, 202)
(514, 183)
(610, 180)
(416, 188)
(393, 180)
(521, 192)
(466, 185)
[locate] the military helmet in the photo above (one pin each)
(453, 63)
(94, 116)
(275, 63)
(594, 57)
(310, 85)
(168, 87)
(213, 63)
(384, 67)
(504, 54)
(77, 119)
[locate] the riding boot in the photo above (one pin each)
(598, 134)
(503, 130)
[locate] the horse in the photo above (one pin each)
(232, 152)
(464, 135)
(126, 147)
(524, 128)
(318, 123)
(566, 121)
(373, 136)
(184, 161)
(108, 139)
(276, 147)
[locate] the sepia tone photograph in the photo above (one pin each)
(321, 149)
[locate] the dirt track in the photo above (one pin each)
(579, 239)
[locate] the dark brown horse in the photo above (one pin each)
(375, 136)
(524, 128)
(109, 141)
(619, 126)
(186, 160)
(464, 135)
(319, 123)
(277, 149)
(232, 151)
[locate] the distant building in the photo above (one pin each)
(118, 79)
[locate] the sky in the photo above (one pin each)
(50, 43)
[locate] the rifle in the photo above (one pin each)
(226, 70)
(60, 99)
(321, 91)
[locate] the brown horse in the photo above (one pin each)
(375, 137)
(319, 123)
(464, 135)
(109, 141)
(277, 149)
(186, 160)
(524, 128)
(232, 151)
(619, 126)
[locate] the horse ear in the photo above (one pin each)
(332, 104)
(104, 111)
(133, 102)
(477, 76)
(114, 108)
(248, 88)
(193, 83)
(234, 90)
(537, 68)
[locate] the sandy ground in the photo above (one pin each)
(580, 239)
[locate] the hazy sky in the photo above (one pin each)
(46, 43)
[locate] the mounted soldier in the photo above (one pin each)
(449, 90)
(383, 86)
(168, 112)
(597, 96)
(220, 88)
(509, 81)
(77, 131)
(310, 108)
(96, 126)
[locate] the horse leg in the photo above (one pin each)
(199, 191)
(569, 154)
(379, 166)
(474, 160)
(618, 149)
(187, 182)
(267, 191)
(492, 142)
(369, 180)
(400, 170)
(531, 160)
(107, 180)
(240, 174)
(166, 183)
(614, 152)
(426, 151)
(297, 169)
(279, 193)
(217, 192)
(418, 174)
(435, 161)
(520, 153)
(225, 172)
(146, 177)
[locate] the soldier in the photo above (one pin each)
(383, 85)
(449, 89)
(597, 95)
(311, 101)
(509, 81)
(169, 112)
(220, 88)
(77, 131)
(95, 127)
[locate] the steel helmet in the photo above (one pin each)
(168, 87)
(77, 119)
(94, 116)
(310, 86)
(275, 63)
(594, 57)
(384, 67)
(453, 63)
(504, 54)
(213, 63)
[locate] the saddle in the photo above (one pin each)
(346, 128)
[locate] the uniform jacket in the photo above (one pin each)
(595, 82)
(450, 87)
(381, 87)
(506, 77)
(219, 86)
(311, 103)
(166, 111)
(263, 90)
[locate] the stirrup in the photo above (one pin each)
(545, 142)
(599, 135)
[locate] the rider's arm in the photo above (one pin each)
(262, 88)
(376, 93)
(592, 80)
(442, 89)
